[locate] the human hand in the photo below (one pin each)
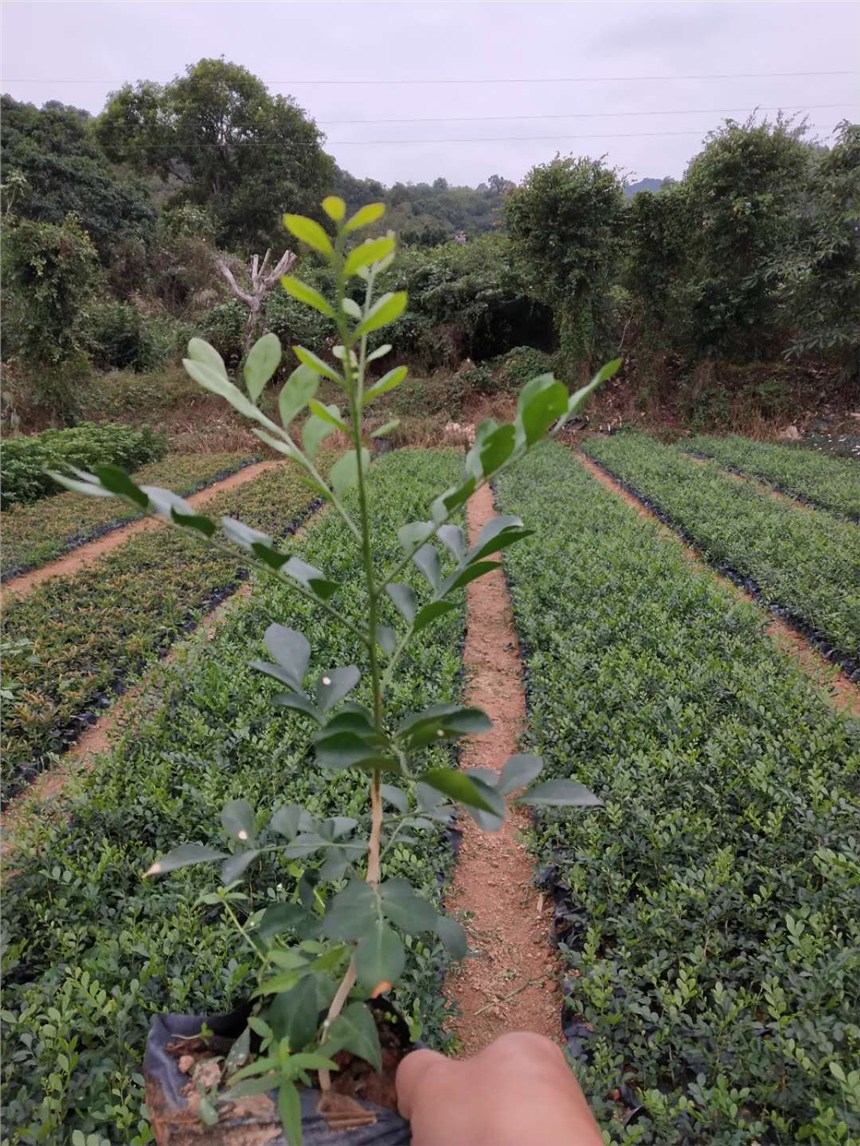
(519, 1091)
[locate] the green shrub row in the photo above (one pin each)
(36, 533)
(74, 642)
(25, 459)
(804, 562)
(829, 482)
(94, 951)
(710, 923)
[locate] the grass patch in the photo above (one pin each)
(93, 950)
(829, 482)
(37, 533)
(806, 563)
(75, 641)
(710, 926)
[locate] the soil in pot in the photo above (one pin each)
(184, 1070)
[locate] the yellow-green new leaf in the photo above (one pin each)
(310, 233)
(387, 382)
(263, 360)
(384, 310)
(308, 358)
(276, 443)
(314, 433)
(330, 414)
(365, 216)
(306, 294)
(207, 377)
(201, 351)
(367, 253)
(334, 207)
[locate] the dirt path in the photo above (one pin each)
(513, 982)
(86, 554)
(842, 693)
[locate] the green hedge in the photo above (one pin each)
(75, 641)
(807, 562)
(711, 931)
(832, 483)
(25, 459)
(37, 533)
(93, 951)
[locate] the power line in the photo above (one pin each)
(479, 80)
(585, 115)
(511, 138)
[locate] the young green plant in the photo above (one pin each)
(341, 941)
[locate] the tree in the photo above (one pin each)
(222, 141)
(59, 170)
(565, 223)
(745, 194)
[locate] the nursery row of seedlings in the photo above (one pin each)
(40, 531)
(74, 643)
(708, 912)
(95, 951)
(805, 565)
(828, 482)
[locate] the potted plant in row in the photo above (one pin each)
(329, 959)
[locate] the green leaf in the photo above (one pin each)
(290, 1111)
(236, 866)
(386, 638)
(379, 958)
(370, 251)
(184, 856)
(404, 908)
(414, 533)
(314, 433)
(348, 306)
(518, 771)
(496, 448)
(488, 821)
(237, 820)
(92, 488)
(352, 913)
(288, 820)
(453, 498)
(560, 794)
(577, 400)
(442, 722)
(317, 364)
(461, 577)
(430, 612)
(268, 555)
(387, 382)
(263, 360)
(458, 787)
(404, 599)
(386, 309)
(453, 537)
(395, 796)
(330, 414)
(296, 392)
(205, 376)
(294, 1014)
(306, 294)
(386, 429)
(380, 352)
(280, 918)
(311, 577)
(196, 521)
(309, 232)
(334, 207)
(334, 685)
(350, 749)
(345, 471)
(541, 402)
(427, 560)
(201, 351)
(297, 702)
(365, 216)
(118, 482)
(355, 1030)
(497, 534)
(453, 936)
(291, 650)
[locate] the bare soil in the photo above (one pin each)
(86, 554)
(513, 980)
(841, 692)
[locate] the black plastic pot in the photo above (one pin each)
(176, 1124)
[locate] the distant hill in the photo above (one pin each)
(643, 185)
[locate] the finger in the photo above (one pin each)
(412, 1074)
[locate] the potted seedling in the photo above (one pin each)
(329, 958)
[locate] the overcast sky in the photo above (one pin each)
(78, 52)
